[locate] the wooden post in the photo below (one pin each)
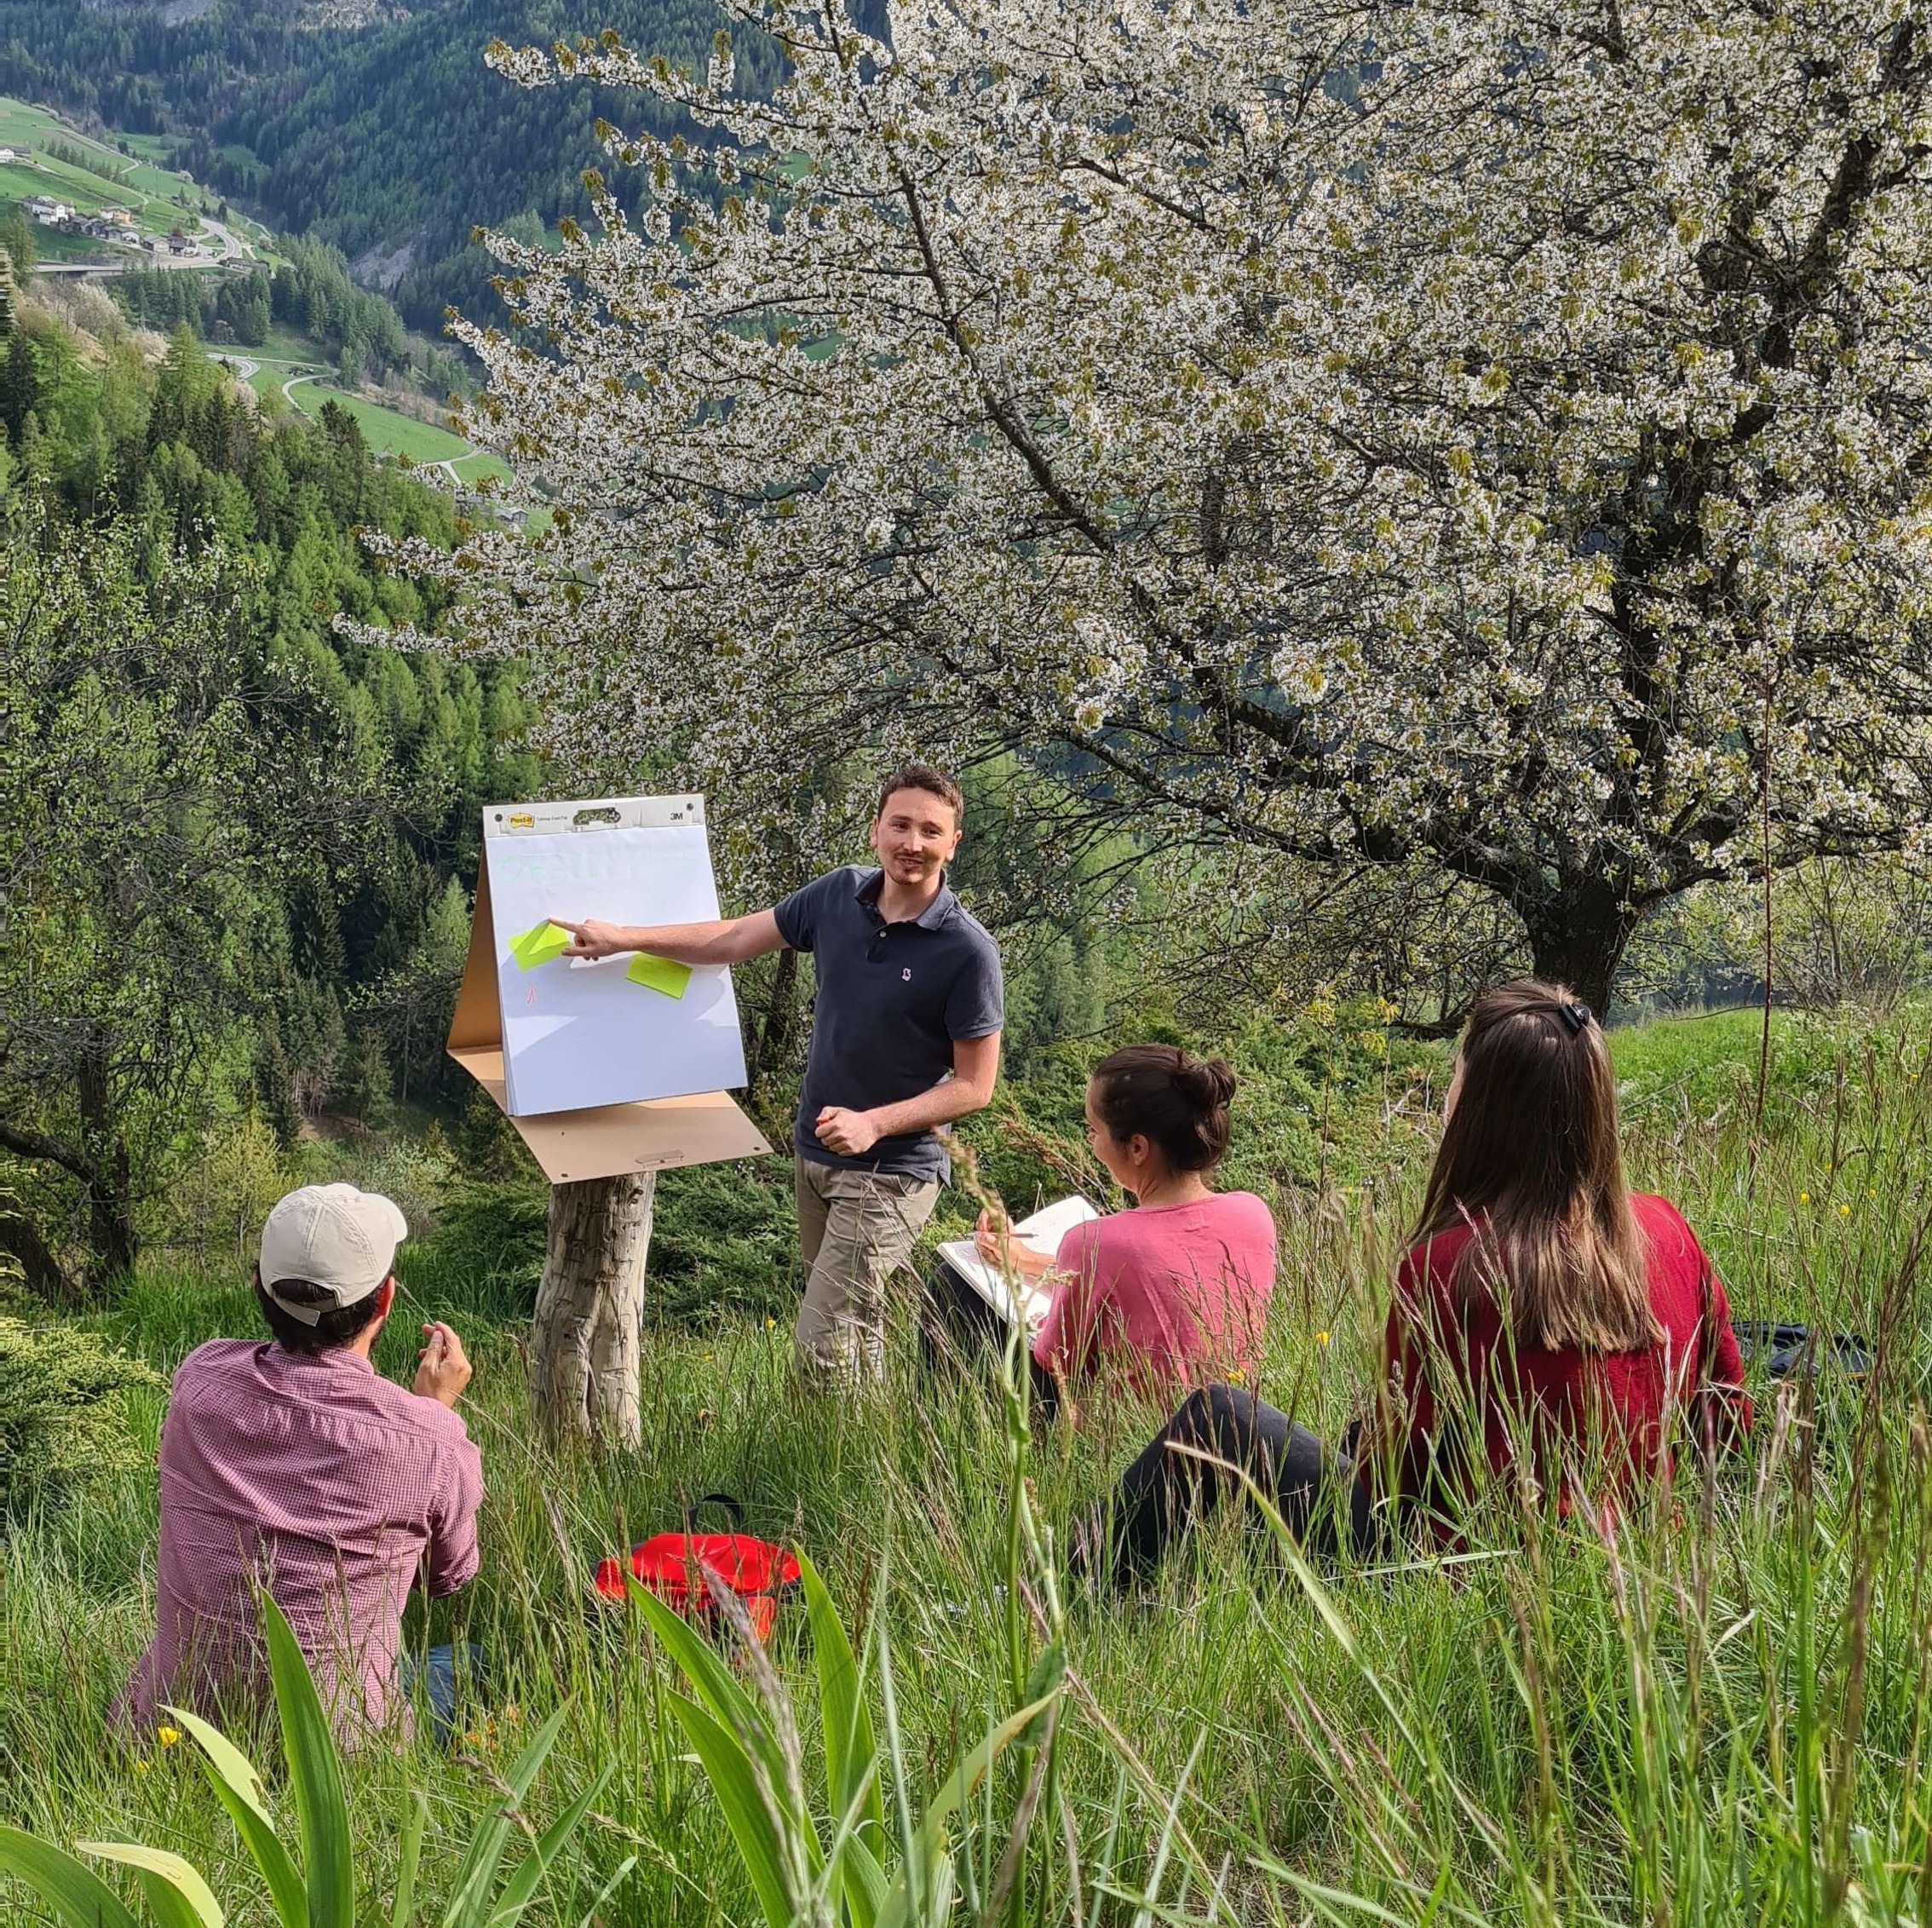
(584, 1350)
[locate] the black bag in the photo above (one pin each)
(1785, 1348)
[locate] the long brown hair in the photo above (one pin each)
(1529, 1156)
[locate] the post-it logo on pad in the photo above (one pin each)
(538, 945)
(659, 974)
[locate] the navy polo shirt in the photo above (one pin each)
(892, 998)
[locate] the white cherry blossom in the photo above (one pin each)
(1489, 437)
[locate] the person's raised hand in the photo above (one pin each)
(442, 1368)
(851, 1134)
(593, 938)
(999, 1245)
(990, 1236)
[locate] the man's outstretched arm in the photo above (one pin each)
(724, 940)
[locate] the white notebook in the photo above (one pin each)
(1043, 1231)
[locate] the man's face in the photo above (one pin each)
(915, 837)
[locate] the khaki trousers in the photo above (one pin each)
(855, 1230)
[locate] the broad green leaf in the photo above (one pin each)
(711, 1678)
(717, 1688)
(609, 1888)
(177, 1896)
(233, 1766)
(1042, 1688)
(728, 1766)
(851, 1751)
(521, 1887)
(234, 1780)
(470, 1894)
(72, 1889)
(864, 1882)
(328, 1856)
(929, 1844)
(411, 1853)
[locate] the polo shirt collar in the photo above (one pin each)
(932, 918)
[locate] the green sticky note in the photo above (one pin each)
(659, 974)
(538, 946)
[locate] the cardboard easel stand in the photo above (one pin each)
(652, 1134)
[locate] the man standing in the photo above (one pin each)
(905, 1037)
(293, 1465)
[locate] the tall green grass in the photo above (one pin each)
(1717, 1709)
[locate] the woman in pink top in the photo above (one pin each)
(1173, 1291)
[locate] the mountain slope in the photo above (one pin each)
(392, 140)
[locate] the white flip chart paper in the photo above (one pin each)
(575, 1033)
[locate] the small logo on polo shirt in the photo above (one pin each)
(905, 976)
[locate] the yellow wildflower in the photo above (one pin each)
(141, 1767)
(167, 1736)
(1321, 1338)
(1804, 1198)
(1844, 1211)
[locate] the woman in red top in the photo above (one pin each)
(1543, 1311)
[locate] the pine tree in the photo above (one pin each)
(275, 1084)
(16, 242)
(368, 1091)
(19, 383)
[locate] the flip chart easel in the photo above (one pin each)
(688, 1027)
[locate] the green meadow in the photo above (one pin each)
(1714, 1708)
(387, 430)
(147, 191)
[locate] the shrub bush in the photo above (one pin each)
(64, 1424)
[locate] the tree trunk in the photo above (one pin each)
(773, 1037)
(584, 1359)
(1577, 938)
(45, 1277)
(111, 1234)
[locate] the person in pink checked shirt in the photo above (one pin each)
(292, 1464)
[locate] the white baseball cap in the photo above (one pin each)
(333, 1236)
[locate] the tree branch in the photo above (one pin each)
(37, 1145)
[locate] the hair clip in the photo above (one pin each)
(1575, 1015)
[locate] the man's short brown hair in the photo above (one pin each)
(337, 1327)
(922, 776)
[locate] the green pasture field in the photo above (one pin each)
(392, 432)
(273, 369)
(50, 245)
(146, 190)
(283, 344)
(22, 125)
(1713, 1705)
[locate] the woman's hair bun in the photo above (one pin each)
(1209, 1082)
(1176, 1102)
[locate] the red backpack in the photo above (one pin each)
(672, 1565)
